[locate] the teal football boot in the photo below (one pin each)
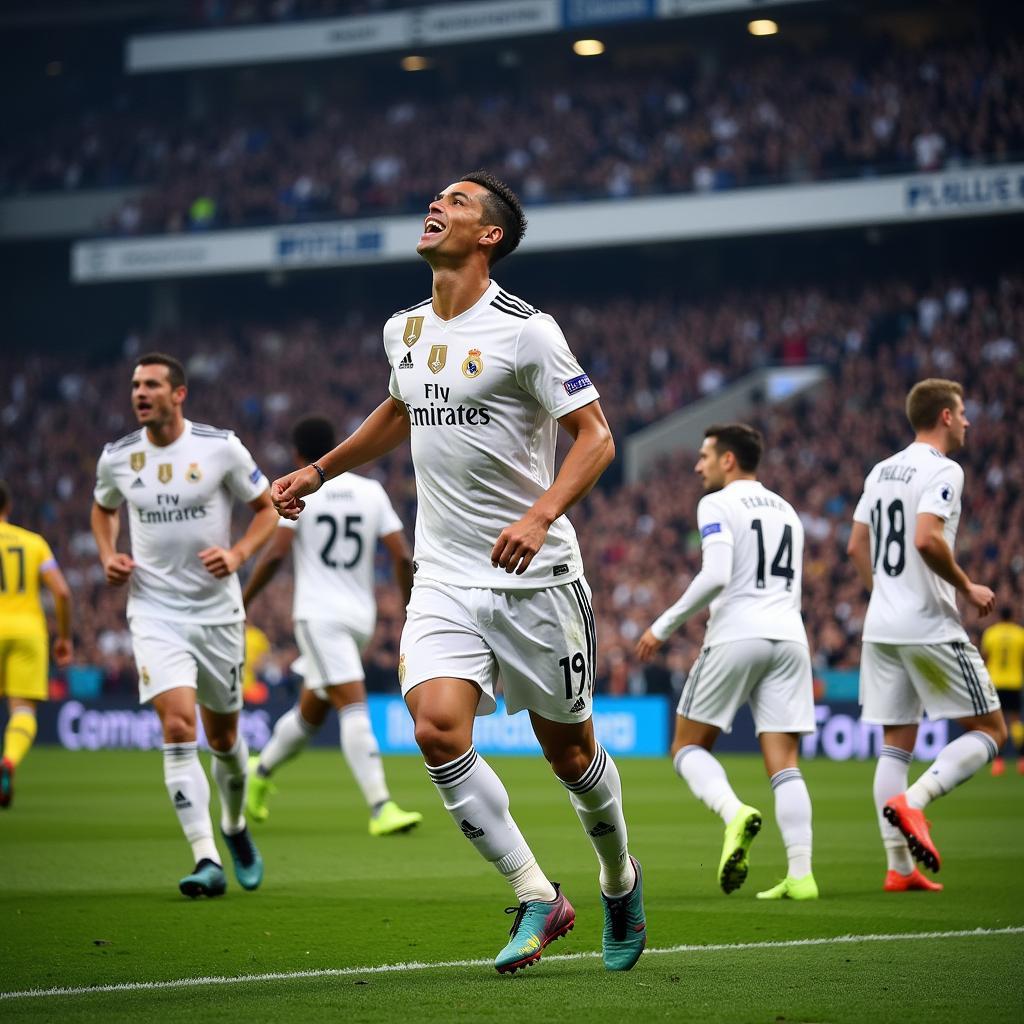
(625, 926)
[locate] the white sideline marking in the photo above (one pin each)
(419, 965)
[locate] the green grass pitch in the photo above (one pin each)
(91, 854)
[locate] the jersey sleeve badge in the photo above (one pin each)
(137, 460)
(413, 330)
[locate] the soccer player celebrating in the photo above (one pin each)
(1002, 646)
(184, 600)
(755, 651)
(916, 655)
(481, 381)
(334, 613)
(26, 561)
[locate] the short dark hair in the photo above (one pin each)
(503, 207)
(175, 371)
(5, 496)
(312, 437)
(928, 398)
(743, 441)
(1005, 613)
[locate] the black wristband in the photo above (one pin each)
(320, 473)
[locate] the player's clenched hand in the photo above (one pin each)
(117, 568)
(648, 645)
(63, 651)
(220, 562)
(981, 598)
(517, 544)
(288, 491)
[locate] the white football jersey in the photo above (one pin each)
(762, 599)
(179, 502)
(334, 546)
(484, 391)
(909, 603)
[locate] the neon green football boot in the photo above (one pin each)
(391, 819)
(739, 834)
(259, 789)
(792, 889)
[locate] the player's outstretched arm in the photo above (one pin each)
(401, 562)
(63, 646)
(592, 451)
(381, 432)
(106, 525)
(930, 541)
(270, 561)
(858, 549)
(713, 578)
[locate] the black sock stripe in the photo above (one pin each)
(453, 766)
(308, 637)
(455, 771)
(592, 776)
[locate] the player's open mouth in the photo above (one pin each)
(432, 226)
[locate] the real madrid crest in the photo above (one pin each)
(192, 474)
(138, 460)
(473, 364)
(164, 472)
(413, 329)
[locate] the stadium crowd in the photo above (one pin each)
(639, 542)
(308, 152)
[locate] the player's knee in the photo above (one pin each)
(179, 729)
(223, 741)
(438, 742)
(569, 763)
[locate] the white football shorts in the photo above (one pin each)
(209, 659)
(898, 681)
(331, 653)
(773, 676)
(542, 643)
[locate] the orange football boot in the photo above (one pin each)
(895, 882)
(912, 823)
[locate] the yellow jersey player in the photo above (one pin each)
(26, 561)
(1002, 647)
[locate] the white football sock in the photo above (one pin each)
(478, 803)
(956, 763)
(359, 746)
(707, 780)
(891, 780)
(229, 773)
(291, 733)
(793, 815)
(597, 798)
(189, 791)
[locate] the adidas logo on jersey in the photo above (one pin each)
(181, 802)
(470, 831)
(406, 363)
(580, 705)
(138, 482)
(602, 828)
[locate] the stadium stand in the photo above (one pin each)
(298, 150)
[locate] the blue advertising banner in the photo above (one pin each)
(626, 726)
